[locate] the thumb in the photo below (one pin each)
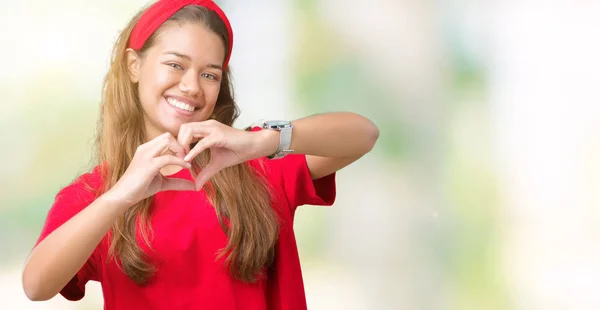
(208, 172)
(176, 184)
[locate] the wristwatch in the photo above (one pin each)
(285, 137)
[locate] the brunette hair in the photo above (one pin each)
(240, 194)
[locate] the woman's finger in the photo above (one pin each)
(184, 136)
(208, 172)
(201, 146)
(166, 142)
(166, 160)
(191, 132)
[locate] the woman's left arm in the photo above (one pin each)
(330, 141)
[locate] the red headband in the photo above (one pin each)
(161, 11)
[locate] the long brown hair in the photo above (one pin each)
(239, 194)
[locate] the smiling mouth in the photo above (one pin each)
(181, 105)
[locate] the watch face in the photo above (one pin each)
(277, 124)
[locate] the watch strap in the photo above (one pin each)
(285, 138)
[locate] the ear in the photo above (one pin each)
(133, 65)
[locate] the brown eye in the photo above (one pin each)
(175, 66)
(210, 76)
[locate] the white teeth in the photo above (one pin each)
(179, 104)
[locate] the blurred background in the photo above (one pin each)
(482, 192)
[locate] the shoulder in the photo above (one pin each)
(80, 192)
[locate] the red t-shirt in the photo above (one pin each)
(187, 235)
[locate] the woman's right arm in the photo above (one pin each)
(57, 258)
(61, 254)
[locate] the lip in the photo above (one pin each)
(178, 110)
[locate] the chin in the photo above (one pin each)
(171, 126)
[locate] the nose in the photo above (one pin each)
(190, 84)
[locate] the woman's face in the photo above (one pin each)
(179, 77)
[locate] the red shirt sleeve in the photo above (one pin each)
(68, 202)
(293, 175)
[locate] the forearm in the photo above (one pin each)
(57, 258)
(341, 134)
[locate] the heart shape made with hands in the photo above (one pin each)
(228, 147)
(199, 175)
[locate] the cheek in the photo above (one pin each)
(211, 94)
(154, 81)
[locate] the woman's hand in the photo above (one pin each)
(228, 146)
(143, 179)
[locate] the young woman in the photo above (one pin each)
(183, 211)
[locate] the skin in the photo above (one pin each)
(330, 141)
(185, 63)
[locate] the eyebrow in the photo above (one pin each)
(184, 56)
